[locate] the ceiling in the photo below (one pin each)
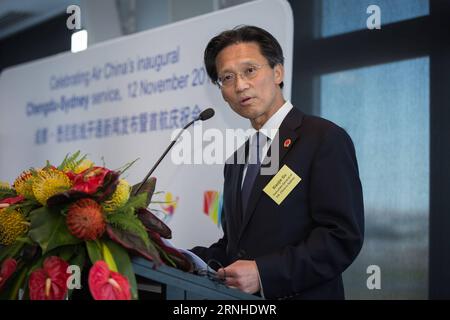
(16, 15)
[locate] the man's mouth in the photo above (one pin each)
(245, 100)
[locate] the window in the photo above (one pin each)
(385, 109)
(341, 16)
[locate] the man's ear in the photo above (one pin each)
(279, 73)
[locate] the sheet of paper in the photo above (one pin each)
(199, 263)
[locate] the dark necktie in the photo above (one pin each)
(252, 172)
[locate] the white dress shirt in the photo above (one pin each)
(267, 133)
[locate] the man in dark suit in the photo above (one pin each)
(290, 234)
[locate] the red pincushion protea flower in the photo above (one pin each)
(8, 268)
(49, 283)
(105, 284)
(89, 180)
(85, 219)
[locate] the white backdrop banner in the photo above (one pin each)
(121, 100)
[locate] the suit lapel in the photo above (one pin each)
(236, 208)
(286, 133)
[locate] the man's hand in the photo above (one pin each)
(242, 274)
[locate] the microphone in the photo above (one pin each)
(204, 115)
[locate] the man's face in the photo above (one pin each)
(258, 98)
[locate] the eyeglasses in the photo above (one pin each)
(229, 79)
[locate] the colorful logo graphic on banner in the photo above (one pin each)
(212, 205)
(169, 206)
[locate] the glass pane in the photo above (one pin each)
(385, 109)
(341, 16)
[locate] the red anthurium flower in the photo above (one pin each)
(8, 268)
(105, 284)
(71, 175)
(49, 283)
(89, 180)
(13, 200)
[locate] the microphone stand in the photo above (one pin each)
(163, 155)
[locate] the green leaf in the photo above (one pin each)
(108, 258)
(135, 202)
(70, 162)
(148, 189)
(22, 274)
(7, 291)
(37, 265)
(11, 250)
(165, 256)
(26, 206)
(133, 242)
(7, 193)
(129, 223)
(124, 168)
(124, 264)
(78, 258)
(49, 229)
(94, 251)
(126, 219)
(67, 252)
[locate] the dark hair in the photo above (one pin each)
(269, 46)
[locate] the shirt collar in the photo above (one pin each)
(270, 128)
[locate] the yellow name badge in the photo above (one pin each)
(282, 184)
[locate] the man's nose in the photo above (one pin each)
(241, 83)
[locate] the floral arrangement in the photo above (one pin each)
(56, 220)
